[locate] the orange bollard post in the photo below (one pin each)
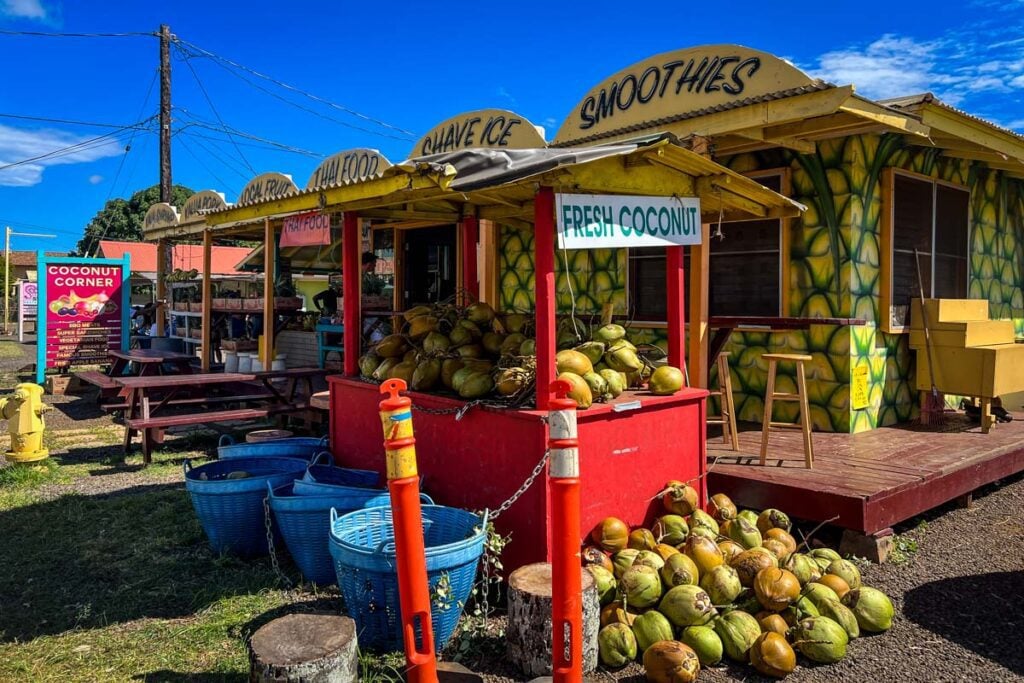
(404, 487)
(564, 491)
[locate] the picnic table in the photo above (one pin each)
(149, 362)
(140, 362)
(149, 397)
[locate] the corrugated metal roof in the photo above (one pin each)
(911, 102)
(183, 256)
(816, 86)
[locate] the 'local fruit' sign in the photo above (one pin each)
(587, 221)
(82, 311)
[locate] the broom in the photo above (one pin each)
(933, 408)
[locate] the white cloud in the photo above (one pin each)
(1017, 125)
(504, 94)
(23, 9)
(95, 179)
(17, 144)
(957, 65)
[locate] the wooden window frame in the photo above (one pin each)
(785, 174)
(888, 214)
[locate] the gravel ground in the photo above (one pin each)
(959, 599)
(959, 595)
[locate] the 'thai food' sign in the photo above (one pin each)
(586, 221)
(670, 85)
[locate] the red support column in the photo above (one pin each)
(351, 260)
(544, 267)
(674, 300)
(470, 233)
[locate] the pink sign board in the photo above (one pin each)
(84, 316)
(306, 229)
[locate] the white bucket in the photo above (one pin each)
(245, 362)
(279, 362)
(230, 361)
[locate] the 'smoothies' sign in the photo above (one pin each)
(586, 221)
(676, 83)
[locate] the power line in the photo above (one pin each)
(308, 110)
(70, 122)
(36, 226)
(42, 34)
(215, 153)
(128, 146)
(209, 170)
(209, 101)
(315, 98)
(91, 143)
(198, 123)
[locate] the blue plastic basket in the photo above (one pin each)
(322, 470)
(305, 447)
(231, 510)
(362, 546)
(304, 522)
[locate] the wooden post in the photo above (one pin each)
(544, 266)
(206, 346)
(351, 268)
(528, 633)
(162, 250)
(269, 275)
(312, 648)
(675, 277)
(487, 273)
(470, 233)
(700, 268)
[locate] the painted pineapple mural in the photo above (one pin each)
(839, 234)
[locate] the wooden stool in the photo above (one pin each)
(727, 408)
(801, 396)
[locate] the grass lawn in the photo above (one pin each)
(120, 585)
(11, 349)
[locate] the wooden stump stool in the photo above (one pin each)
(311, 648)
(528, 634)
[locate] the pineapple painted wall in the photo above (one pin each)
(841, 185)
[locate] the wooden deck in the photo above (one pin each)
(872, 480)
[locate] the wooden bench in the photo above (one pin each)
(152, 427)
(203, 400)
(99, 379)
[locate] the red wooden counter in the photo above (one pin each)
(626, 456)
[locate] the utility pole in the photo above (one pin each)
(164, 250)
(165, 113)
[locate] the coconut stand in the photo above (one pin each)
(479, 458)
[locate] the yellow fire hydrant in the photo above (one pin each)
(25, 411)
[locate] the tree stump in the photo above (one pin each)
(311, 648)
(528, 634)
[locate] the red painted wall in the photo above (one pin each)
(480, 461)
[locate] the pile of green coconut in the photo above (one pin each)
(699, 586)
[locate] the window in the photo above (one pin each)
(745, 277)
(933, 218)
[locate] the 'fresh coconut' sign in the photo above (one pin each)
(587, 221)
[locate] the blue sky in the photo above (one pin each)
(411, 65)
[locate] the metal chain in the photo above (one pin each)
(526, 485)
(270, 544)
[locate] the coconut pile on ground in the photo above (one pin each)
(475, 352)
(699, 586)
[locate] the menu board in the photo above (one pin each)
(81, 311)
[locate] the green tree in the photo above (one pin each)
(121, 219)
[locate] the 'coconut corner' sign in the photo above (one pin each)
(587, 221)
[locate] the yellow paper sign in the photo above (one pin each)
(859, 388)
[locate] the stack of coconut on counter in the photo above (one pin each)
(697, 586)
(475, 353)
